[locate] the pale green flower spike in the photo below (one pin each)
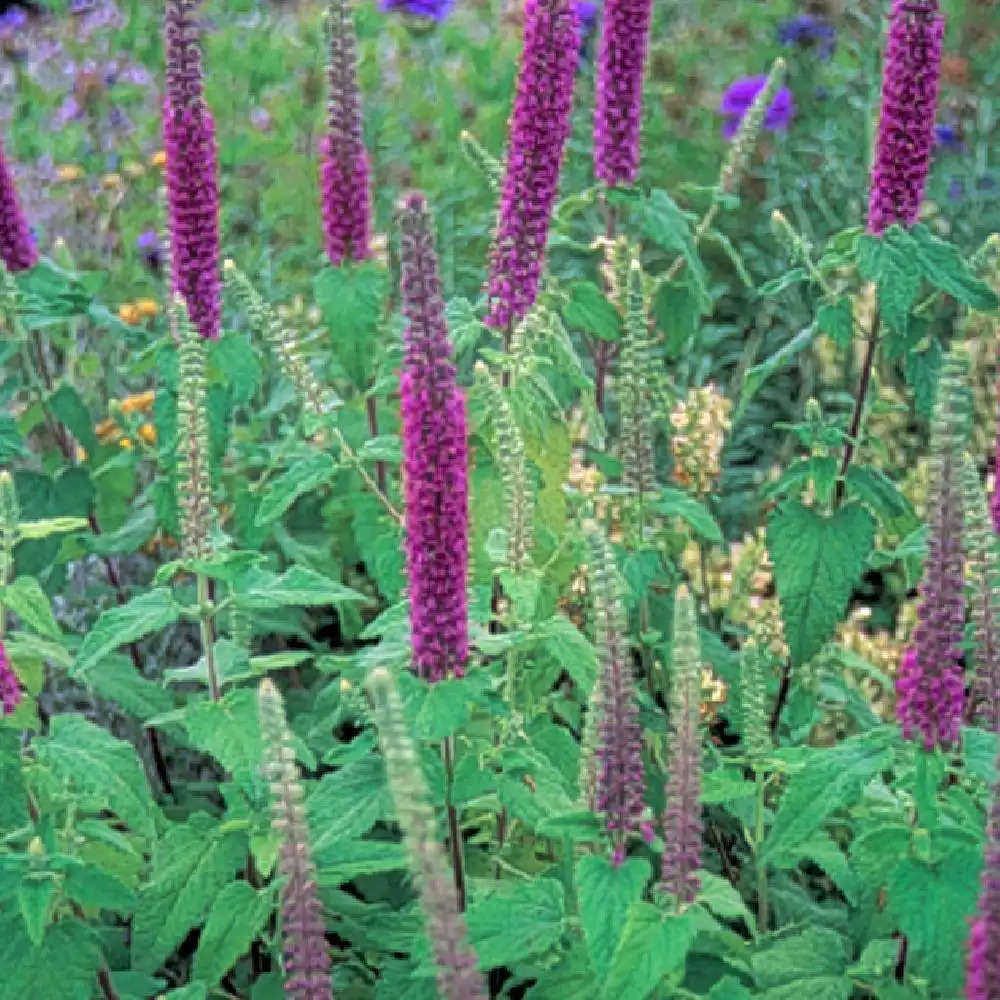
(745, 140)
(753, 699)
(487, 164)
(638, 470)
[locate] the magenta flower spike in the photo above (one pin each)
(344, 183)
(539, 130)
(10, 687)
(983, 975)
(910, 79)
(621, 65)
(191, 173)
(17, 246)
(435, 460)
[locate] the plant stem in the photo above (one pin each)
(371, 410)
(454, 826)
(703, 226)
(348, 452)
(763, 914)
(205, 612)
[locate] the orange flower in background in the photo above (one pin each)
(140, 402)
(158, 159)
(148, 308)
(129, 313)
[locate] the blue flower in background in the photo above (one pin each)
(948, 138)
(738, 98)
(587, 12)
(434, 10)
(809, 31)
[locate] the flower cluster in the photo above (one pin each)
(810, 32)
(307, 954)
(983, 976)
(435, 458)
(621, 64)
(539, 130)
(700, 425)
(191, 173)
(638, 467)
(10, 686)
(911, 75)
(345, 201)
(17, 245)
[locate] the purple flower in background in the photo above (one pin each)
(260, 118)
(191, 173)
(738, 98)
(910, 79)
(621, 65)
(809, 31)
(586, 11)
(434, 10)
(948, 138)
(10, 687)
(983, 976)
(540, 126)
(17, 245)
(435, 460)
(12, 22)
(344, 176)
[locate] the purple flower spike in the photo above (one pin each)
(620, 68)
(539, 130)
(435, 460)
(910, 78)
(10, 687)
(344, 182)
(983, 976)
(191, 173)
(17, 247)
(740, 95)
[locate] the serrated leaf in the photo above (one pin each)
(561, 640)
(812, 961)
(347, 803)
(34, 899)
(13, 794)
(723, 900)
(306, 474)
(237, 359)
(193, 991)
(119, 626)
(63, 968)
(445, 708)
(193, 864)
(236, 918)
(346, 860)
(832, 779)
(579, 826)
(873, 487)
(923, 369)
(91, 886)
(982, 749)
(818, 560)
(229, 730)
(297, 587)
(760, 373)
(69, 408)
(945, 268)
(93, 763)
(116, 679)
(652, 947)
(605, 893)
(26, 599)
(836, 320)
(931, 904)
(130, 537)
(384, 448)
(897, 273)
(517, 921)
(784, 281)
(589, 310)
(676, 503)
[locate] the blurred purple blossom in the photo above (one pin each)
(587, 11)
(260, 119)
(948, 137)
(738, 98)
(11, 22)
(435, 10)
(809, 31)
(10, 687)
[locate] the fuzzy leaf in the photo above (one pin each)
(891, 262)
(348, 803)
(297, 587)
(115, 678)
(229, 731)
(13, 794)
(818, 561)
(808, 964)
(945, 268)
(305, 474)
(236, 918)
(589, 310)
(517, 921)
(836, 320)
(652, 947)
(676, 503)
(760, 373)
(64, 967)
(91, 886)
(26, 599)
(95, 764)
(193, 864)
(606, 892)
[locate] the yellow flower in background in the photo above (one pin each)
(139, 402)
(148, 434)
(111, 182)
(134, 170)
(69, 173)
(148, 308)
(158, 159)
(129, 313)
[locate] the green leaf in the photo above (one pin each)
(260, 589)
(945, 268)
(26, 599)
(384, 448)
(760, 373)
(34, 897)
(606, 892)
(13, 794)
(35, 530)
(836, 320)
(652, 947)
(922, 370)
(807, 964)
(93, 887)
(130, 537)
(193, 864)
(729, 989)
(119, 626)
(445, 708)
(64, 967)
(982, 749)
(670, 228)
(347, 803)
(589, 310)
(229, 730)
(346, 860)
(561, 640)
(579, 826)
(95, 764)
(193, 991)
(517, 921)
(784, 281)
(891, 262)
(723, 900)
(832, 779)
(931, 904)
(69, 408)
(818, 560)
(237, 360)
(117, 679)
(305, 474)
(236, 918)
(676, 503)
(874, 488)
(350, 298)
(12, 444)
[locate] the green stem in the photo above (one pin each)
(205, 613)
(454, 826)
(763, 914)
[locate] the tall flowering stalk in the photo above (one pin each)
(682, 817)
(910, 78)
(455, 959)
(435, 460)
(621, 65)
(621, 782)
(307, 954)
(344, 183)
(191, 173)
(983, 975)
(17, 246)
(638, 469)
(931, 686)
(539, 130)
(983, 565)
